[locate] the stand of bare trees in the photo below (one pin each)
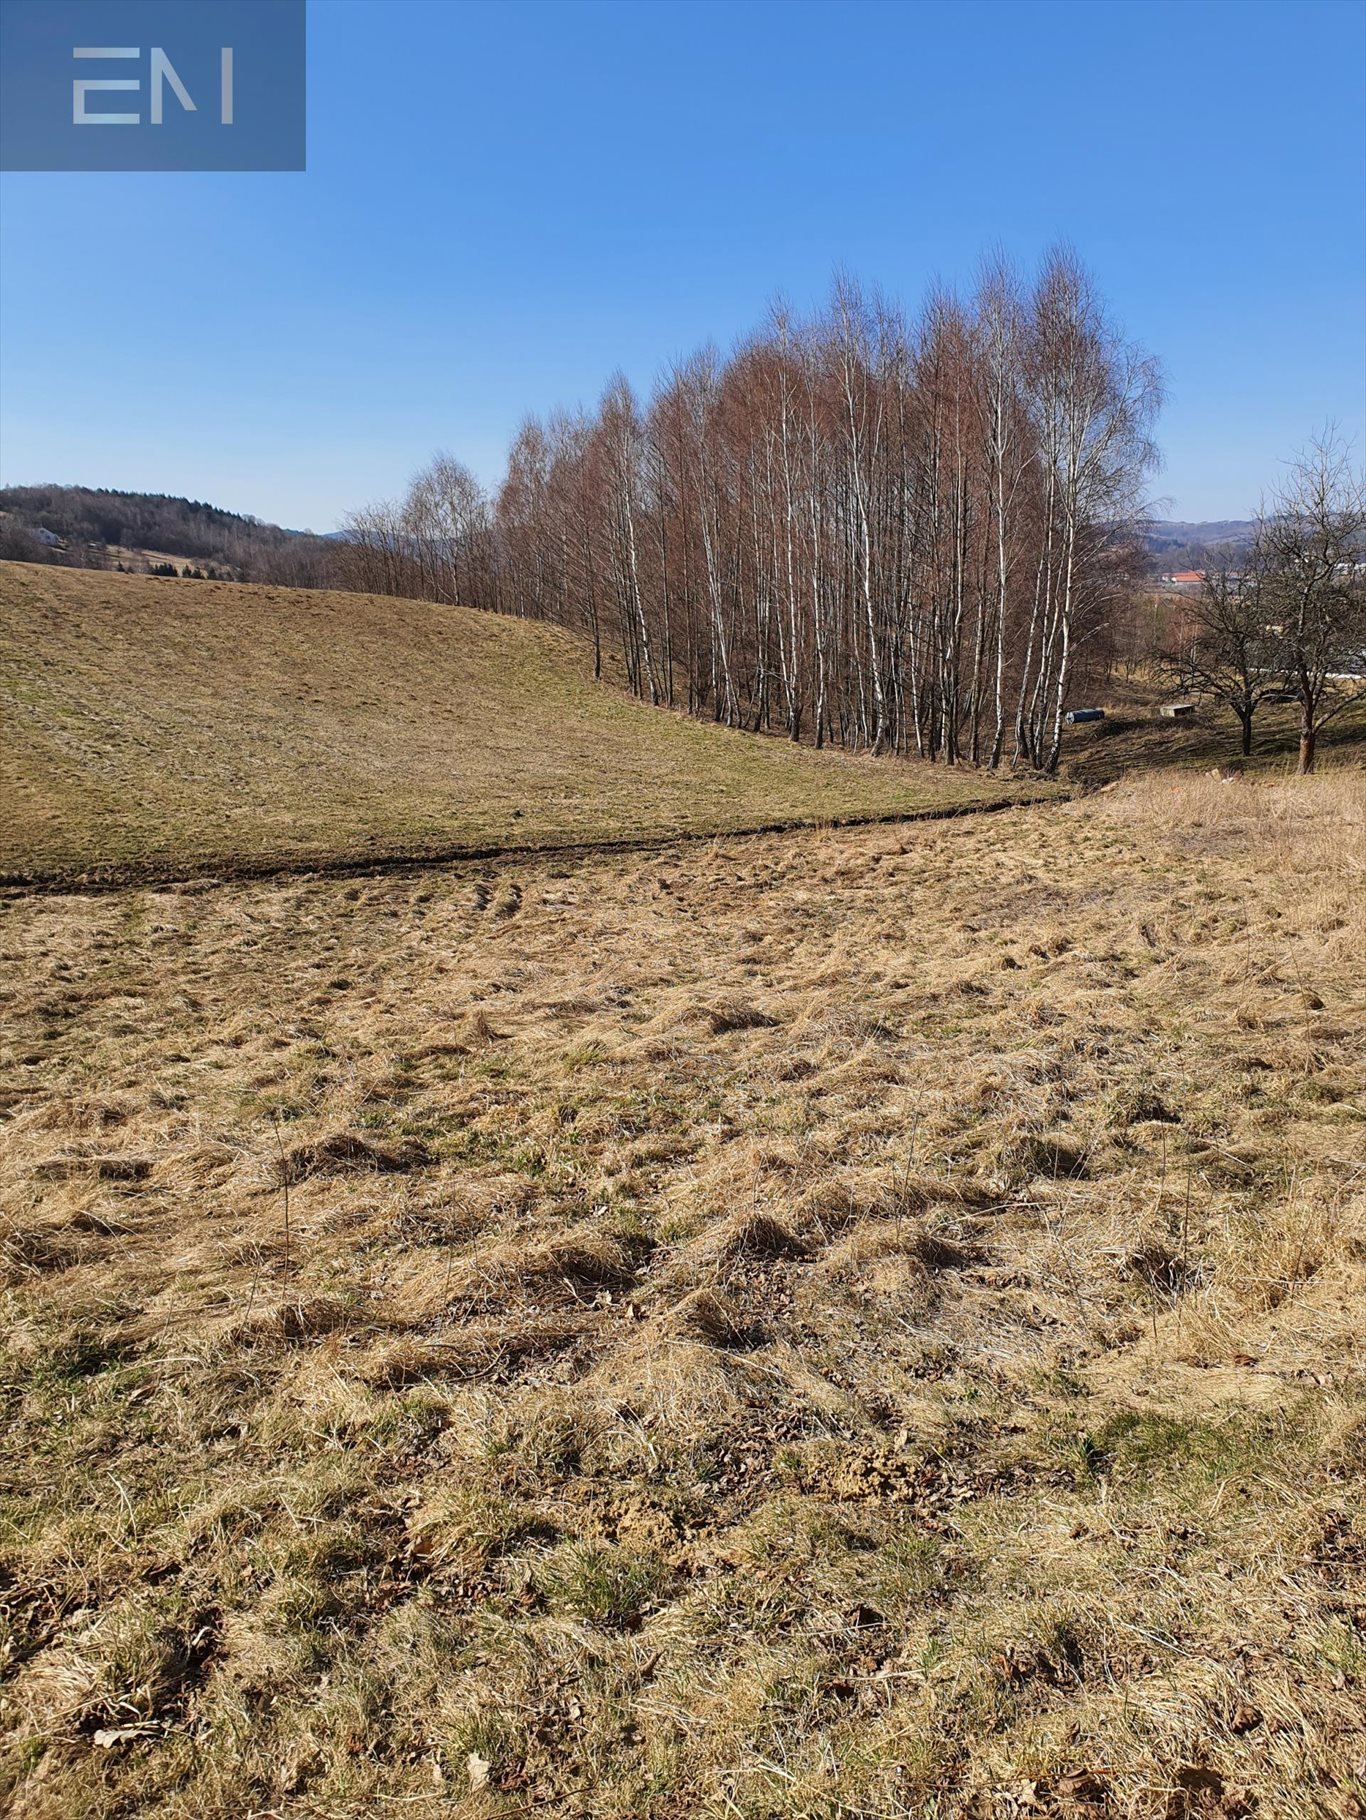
(887, 535)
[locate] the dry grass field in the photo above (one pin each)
(155, 728)
(842, 1324)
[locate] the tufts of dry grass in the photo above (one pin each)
(851, 1324)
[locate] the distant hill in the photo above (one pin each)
(156, 727)
(99, 527)
(1181, 544)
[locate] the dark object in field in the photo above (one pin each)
(104, 1168)
(344, 1151)
(1075, 716)
(1177, 710)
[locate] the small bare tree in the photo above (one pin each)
(1227, 650)
(1311, 550)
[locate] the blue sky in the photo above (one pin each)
(506, 202)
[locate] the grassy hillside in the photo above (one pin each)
(850, 1325)
(158, 726)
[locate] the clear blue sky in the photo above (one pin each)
(504, 202)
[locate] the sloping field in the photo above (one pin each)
(1133, 737)
(856, 1325)
(154, 728)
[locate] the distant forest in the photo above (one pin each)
(1176, 545)
(87, 527)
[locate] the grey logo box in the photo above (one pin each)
(152, 85)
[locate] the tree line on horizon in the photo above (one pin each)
(884, 533)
